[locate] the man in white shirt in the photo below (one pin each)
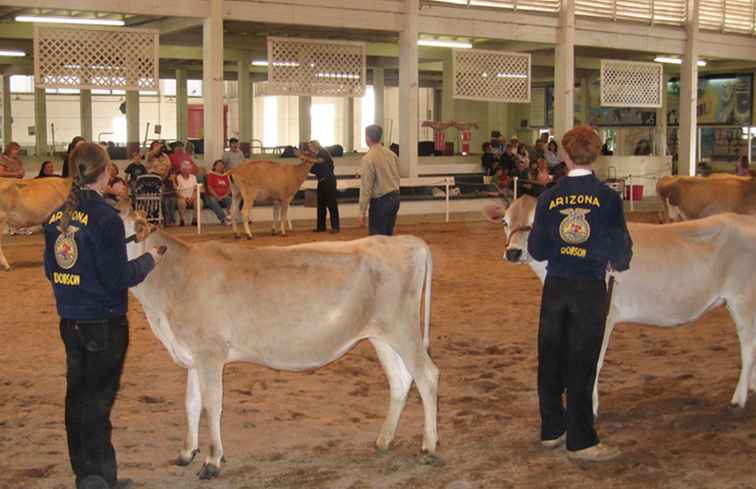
(186, 193)
(380, 185)
(233, 156)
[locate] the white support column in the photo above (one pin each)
(409, 122)
(564, 71)
(688, 130)
(133, 137)
(447, 89)
(182, 106)
(85, 114)
(379, 89)
(661, 122)
(212, 81)
(348, 125)
(245, 104)
(585, 99)
(305, 119)
(7, 114)
(40, 121)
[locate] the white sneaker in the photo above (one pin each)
(596, 453)
(556, 442)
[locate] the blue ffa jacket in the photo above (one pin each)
(323, 169)
(88, 267)
(579, 228)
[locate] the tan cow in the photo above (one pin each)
(679, 272)
(265, 180)
(289, 308)
(26, 203)
(686, 198)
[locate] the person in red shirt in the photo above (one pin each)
(179, 156)
(218, 196)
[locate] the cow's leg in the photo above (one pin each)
(3, 223)
(249, 201)
(610, 323)
(211, 390)
(742, 313)
(193, 412)
(400, 382)
(276, 216)
(236, 198)
(284, 216)
(425, 374)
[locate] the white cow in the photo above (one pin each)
(289, 308)
(678, 272)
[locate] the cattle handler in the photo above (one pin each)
(85, 260)
(580, 229)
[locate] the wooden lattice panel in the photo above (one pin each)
(493, 76)
(316, 67)
(631, 84)
(90, 57)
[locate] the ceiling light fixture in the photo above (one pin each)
(675, 61)
(437, 43)
(12, 52)
(260, 62)
(69, 20)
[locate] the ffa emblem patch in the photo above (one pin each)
(66, 251)
(574, 228)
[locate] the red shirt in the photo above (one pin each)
(178, 157)
(220, 184)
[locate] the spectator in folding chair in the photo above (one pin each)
(186, 193)
(218, 195)
(135, 169)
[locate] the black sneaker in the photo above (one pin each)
(92, 482)
(318, 230)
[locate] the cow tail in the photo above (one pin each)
(427, 312)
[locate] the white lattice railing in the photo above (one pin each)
(88, 57)
(492, 76)
(316, 67)
(670, 12)
(631, 84)
(551, 6)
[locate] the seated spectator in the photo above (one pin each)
(743, 167)
(522, 172)
(47, 169)
(218, 195)
(186, 192)
(488, 159)
(11, 165)
(523, 155)
(552, 154)
(179, 156)
(136, 168)
(643, 148)
(539, 151)
(233, 156)
(116, 189)
(502, 181)
(158, 161)
(508, 160)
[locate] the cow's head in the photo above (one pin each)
(517, 220)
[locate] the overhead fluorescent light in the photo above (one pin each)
(675, 61)
(69, 20)
(263, 62)
(437, 43)
(511, 75)
(344, 76)
(12, 52)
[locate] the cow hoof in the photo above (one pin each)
(249, 237)
(237, 236)
(430, 459)
(183, 461)
(208, 472)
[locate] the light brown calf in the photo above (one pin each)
(265, 180)
(687, 198)
(26, 203)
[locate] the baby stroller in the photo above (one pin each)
(148, 197)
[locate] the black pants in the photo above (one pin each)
(95, 352)
(382, 214)
(327, 194)
(573, 316)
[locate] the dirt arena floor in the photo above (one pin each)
(664, 395)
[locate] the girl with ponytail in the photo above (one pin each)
(86, 262)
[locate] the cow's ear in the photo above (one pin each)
(493, 213)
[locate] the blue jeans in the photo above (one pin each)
(217, 206)
(382, 214)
